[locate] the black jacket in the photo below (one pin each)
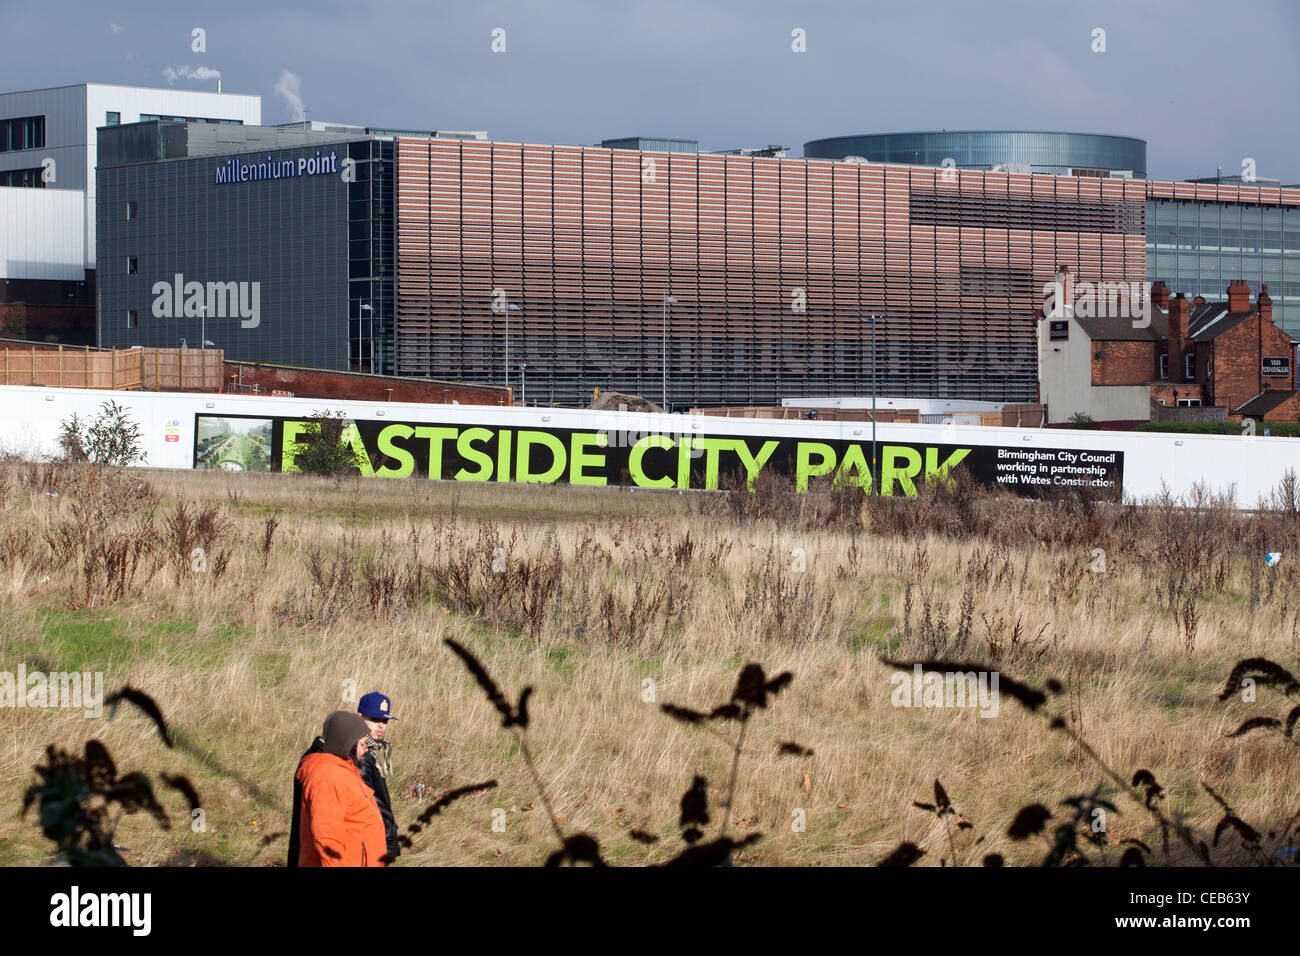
(376, 782)
(295, 844)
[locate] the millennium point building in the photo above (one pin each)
(705, 279)
(738, 280)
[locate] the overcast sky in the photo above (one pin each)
(1206, 84)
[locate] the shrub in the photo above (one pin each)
(110, 438)
(321, 449)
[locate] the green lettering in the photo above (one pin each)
(289, 445)
(503, 455)
(580, 459)
(889, 471)
(388, 449)
(684, 462)
(352, 438)
(711, 447)
(804, 469)
(436, 437)
(934, 469)
(754, 463)
(525, 448)
(465, 446)
(635, 468)
(854, 468)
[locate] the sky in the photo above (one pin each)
(1205, 84)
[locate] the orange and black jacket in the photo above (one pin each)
(340, 824)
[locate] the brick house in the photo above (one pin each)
(1225, 358)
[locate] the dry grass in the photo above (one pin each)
(585, 594)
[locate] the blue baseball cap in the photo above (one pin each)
(376, 706)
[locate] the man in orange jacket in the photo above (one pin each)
(340, 824)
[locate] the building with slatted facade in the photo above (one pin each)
(773, 266)
(704, 279)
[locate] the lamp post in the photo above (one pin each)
(875, 472)
(367, 307)
(508, 309)
(523, 394)
(668, 299)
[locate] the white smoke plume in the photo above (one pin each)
(185, 73)
(289, 88)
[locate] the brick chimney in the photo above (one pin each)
(1160, 294)
(1178, 311)
(1264, 304)
(1238, 296)
(1063, 293)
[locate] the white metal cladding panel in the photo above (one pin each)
(42, 233)
(64, 109)
(130, 102)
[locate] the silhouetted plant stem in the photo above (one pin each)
(541, 788)
(952, 849)
(735, 771)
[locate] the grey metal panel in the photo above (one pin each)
(289, 234)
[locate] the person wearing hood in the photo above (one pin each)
(339, 822)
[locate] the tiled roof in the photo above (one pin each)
(1264, 402)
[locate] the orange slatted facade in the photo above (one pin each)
(772, 262)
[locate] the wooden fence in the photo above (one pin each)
(71, 367)
(184, 369)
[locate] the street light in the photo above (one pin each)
(507, 310)
(523, 395)
(875, 473)
(367, 307)
(667, 300)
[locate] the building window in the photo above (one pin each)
(132, 318)
(132, 209)
(1189, 367)
(1164, 367)
(1189, 403)
(23, 177)
(27, 132)
(132, 265)
(112, 119)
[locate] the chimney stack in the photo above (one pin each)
(1062, 293)
(1238, 296)
(1264, 304)
(1160, 294)
(1178, 309)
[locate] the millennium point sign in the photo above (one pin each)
(239, 171)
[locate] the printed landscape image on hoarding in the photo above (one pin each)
(232, 444)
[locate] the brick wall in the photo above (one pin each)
(1171, 393)
(1238, 355)
(1124, 363)
(315, 383)
(61, 324)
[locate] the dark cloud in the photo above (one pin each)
(1205, 85)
